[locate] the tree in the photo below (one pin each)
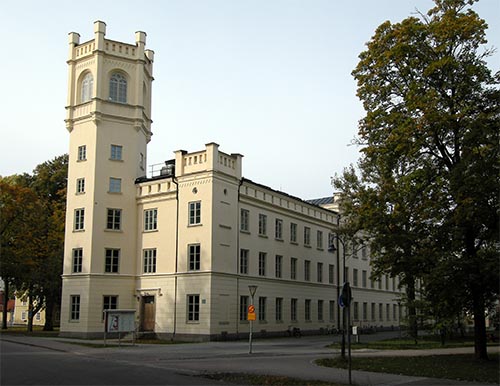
(429, 164)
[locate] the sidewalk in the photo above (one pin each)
(284, 357)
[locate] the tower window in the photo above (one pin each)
(87, 87)
(195, 213)
(77, 260)
(114, 219)
(118, 88)
(79, 219)
(80, 185)
(115, 185)
(112, 260)
(82, 153)
(150, 260)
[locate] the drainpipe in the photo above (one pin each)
(174, 180)
(238, 217)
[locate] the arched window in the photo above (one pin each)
(118, 88)
(87, 87)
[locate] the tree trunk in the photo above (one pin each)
(49, 312)
(5, 304)
(412, 311)
(480, 342)
(30, 314)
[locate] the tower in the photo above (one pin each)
(109, 124)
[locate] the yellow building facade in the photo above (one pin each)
(181, 245)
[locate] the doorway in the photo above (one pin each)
(148, 313)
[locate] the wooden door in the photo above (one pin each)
(148, 313)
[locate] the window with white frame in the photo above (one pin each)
(262, 225)
(293, 268)
(331, 273)
(365, 311)
(355, 277)
(262, 263)
(262, 308)
(364, 276)
(82, 153)
(356, 310)
(307, 236)
(114, 219)
(149, 260)
(319, 272)
(112, 260)
(115, 185)
(109, 302)
(319, 240)
(278, 231)
(151, 219)
(293, 310)
(279, 309)
(194, 257)
(278, 269)
(118, 88)
(320, 310)
(243, 307)
(293, 232)
(74, 307)
(195, 213)
(244, 261)
(79, 224)
(87, 87)
(307, 310)
(80, 185)
(331, 310)
(116, 153)
(374, 316)
(307, 270)
(331, 242)
(193, 308)
(245, 220)
(77, 260)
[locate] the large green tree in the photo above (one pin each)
(430, 164)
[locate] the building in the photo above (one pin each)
(182, 245)
(21, 313)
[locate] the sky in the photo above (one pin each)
(269, 79)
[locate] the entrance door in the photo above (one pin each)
(148, 313)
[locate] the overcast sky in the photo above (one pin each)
(269, 79)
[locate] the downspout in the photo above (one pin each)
(174, 180)
(338, 272)
(238, 218)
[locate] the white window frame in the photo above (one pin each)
(115, 185)
(150, 219)
(82, 153)
(80, 185)
(244, 256)
(262, 224)
(113, 219)
(194, 257)
(112, 260)
(118, 88)
(149, 260)
(79, 224)
(116, 152)
(245, 220)
(74, 308)
(87, 88)
(193, 308)
(77, 260)
(194, 213)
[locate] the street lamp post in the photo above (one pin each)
(333, 248)
(251, 315)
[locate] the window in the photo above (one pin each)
(373, 312)
(293, 268)
(149, 260)
(115, 185)
(243, 307)
(262, 263)
(193, 308)
(279, 309)
(82, 153)
(381, 312)
(307, 236)
(363, 253)
(331, 310)
(331, 273)
(118, 88)
(356, 311)
(142, 161)
(116, 152)
(320, 310)
(320, 272)
(87, 87)
(262, 225)
(346, 274)
(388, 312)
(293, 232)
(307, 270)
(24, 315)
(319, 240)
(307, 310)
(38, 316)
(331, 242)
(109, 302)
(365, 311)
(77, 260)
(74, 307)
(194, 257)
(394, 312)
(355, 277)
(195, 213)
(293, 310)
(80, 185)
(114, 219)
(245, 220)
(278, 266)
(262, 309)
(244, 261)
(79, 219)
(112, 260)
(150, 219)
(364, 276)
(278, 231)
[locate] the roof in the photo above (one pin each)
(321, 201)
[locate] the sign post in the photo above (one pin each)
(251, 315)
(119, 321)
(345, 302)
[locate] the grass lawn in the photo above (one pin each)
(268, 380)
(457, 367)
(22, 330)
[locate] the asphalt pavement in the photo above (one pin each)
(292, 357)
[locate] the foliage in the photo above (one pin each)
(427, 193)
(32, 226)
(461, 367)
